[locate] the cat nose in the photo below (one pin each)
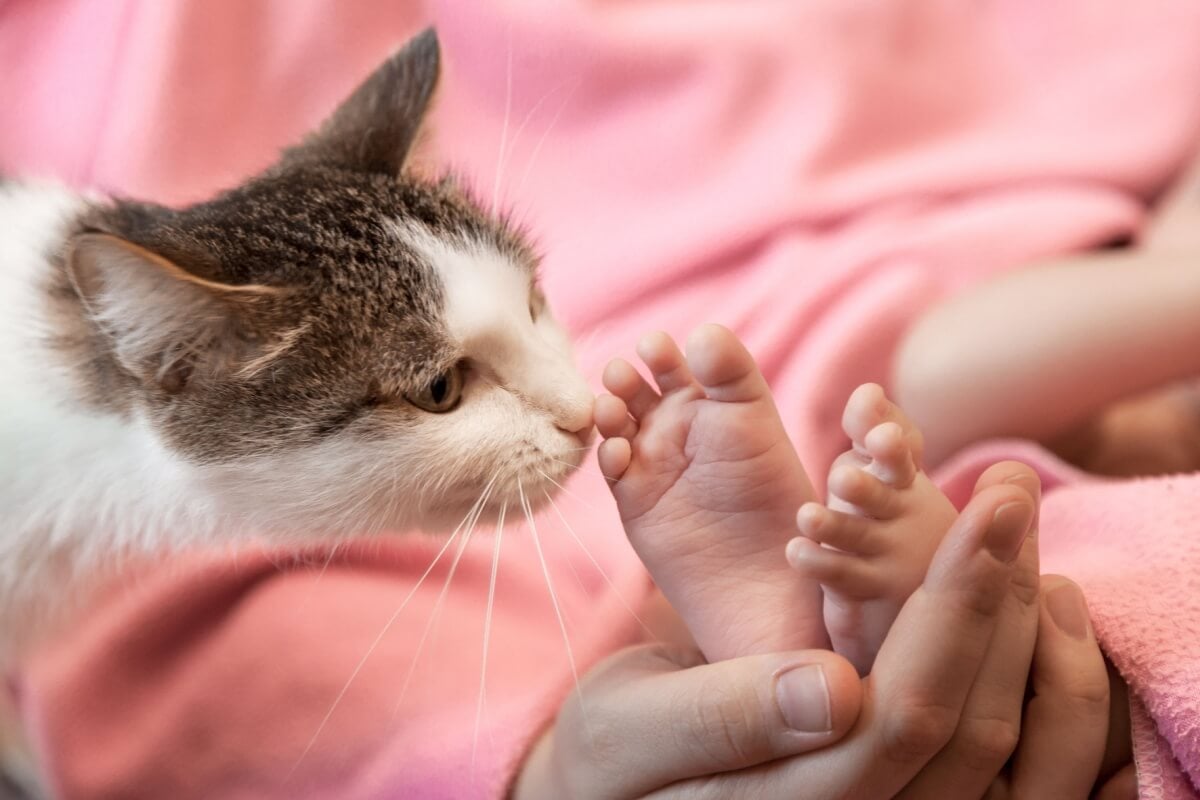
(575, 416)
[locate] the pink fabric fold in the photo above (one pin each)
(811, 174)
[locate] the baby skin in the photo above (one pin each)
(708, 486)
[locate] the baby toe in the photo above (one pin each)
(612, 418)
(846, 574)
(847, 532)
(864, 491)
(866, 408)
(614, 456)
(625, 382)
(724, 367)
(665, 362)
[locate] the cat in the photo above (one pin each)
(336, 346)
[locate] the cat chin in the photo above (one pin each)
(509, 495)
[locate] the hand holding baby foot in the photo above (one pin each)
(871, 544)
(707, 484)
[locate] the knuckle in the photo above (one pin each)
(914, 731)
(593, 735)
(1088, 694)
(986, 743)
(1025, 586)
(980, 602)
(730, 731)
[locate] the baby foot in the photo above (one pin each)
(879, 530)
(707, 484)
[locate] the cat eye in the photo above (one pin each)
(442, 394)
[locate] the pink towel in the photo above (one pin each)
(812, 174)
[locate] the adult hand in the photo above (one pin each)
(659, 722)
(1066, 728)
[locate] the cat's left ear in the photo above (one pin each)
(168, 326)
(376, 128)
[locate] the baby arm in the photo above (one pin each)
(1036, 353)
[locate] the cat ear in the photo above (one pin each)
(375, 129)
(165, 324)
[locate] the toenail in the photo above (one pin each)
(1007, 531)
(803, 697)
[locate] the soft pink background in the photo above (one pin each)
(811, 174)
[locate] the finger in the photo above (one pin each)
(990, 724)
(1122, 786)
(659, 723)
(925, 669)
(931, 659)
(1066, 725)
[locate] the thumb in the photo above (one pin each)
(680, 721)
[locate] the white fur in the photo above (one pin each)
(77, 489)
(80, 489)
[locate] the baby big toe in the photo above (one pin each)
(724, 367)
(891, 459)
(870, 407)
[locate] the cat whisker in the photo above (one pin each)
(554, 601)
(600, 569)
(567, 492)
(487, 631)
(387, 626)
(530, 114)
(476, 513)
(504, 130)
(541, 141)
(613, 481)
(587, 343)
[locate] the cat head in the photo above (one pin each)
(338, 344)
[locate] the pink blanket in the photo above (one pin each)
(811, 174)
